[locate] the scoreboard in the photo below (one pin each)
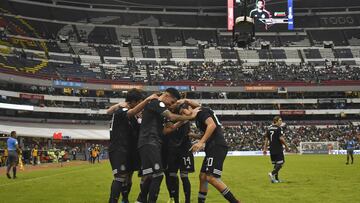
(269, 15)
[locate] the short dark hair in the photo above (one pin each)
(134, 95)
(12, 133)
(174, 92)
(276, 119)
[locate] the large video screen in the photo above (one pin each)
(269, 15)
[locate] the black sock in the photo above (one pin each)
(116, 187)
(144, 190)
(277, 168)
(126, 187)
(174, 186)
(14, 171)
(187, 188)
(155, 187)
(168, 182)
(202, 197)
(277, 176)
(229, 196)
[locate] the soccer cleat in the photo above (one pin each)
(14, 177)
(347, 163)
(272, 178)
(8, 175)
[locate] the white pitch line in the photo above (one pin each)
(43, 177)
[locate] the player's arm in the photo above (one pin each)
(141, 105)
(169, 128)
(194, 135)
(210, 128)
(18, 150)
(266, 144)
(176, 117)
(115, 107)
(282, 140)
(192, 103)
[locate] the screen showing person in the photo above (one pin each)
(260, 11)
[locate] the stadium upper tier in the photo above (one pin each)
(155, 34)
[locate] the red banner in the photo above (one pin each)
(292, 112)
(57, 136)
(31, 96)
(230, 14)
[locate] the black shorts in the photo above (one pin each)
(13, 158)
(350, 151)
(214, 160)
(151, 159)
(277, 158)
(180, 159)
(119, 160)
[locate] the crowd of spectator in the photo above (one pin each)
(250, 137)
(239, 74)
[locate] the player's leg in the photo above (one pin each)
(151, 166)
(8, 168)
(222, 188)
(173, 186)
(186, 186)
(279, 161)
(203, 186)
(10, 162)
(119, 169)
(155, 186)
(216, 157)
(126, 187)
(352, 156)
(116, 187)
(173, 160)
(347, 156)
(144, 189)
(187, 167)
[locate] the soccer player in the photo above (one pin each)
(179, 157)
(274, 137)
(350, 146)
(13, 150)
(121, 132)
(150, 138)
(215, 154)
(260, 11)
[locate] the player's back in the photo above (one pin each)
(217, 137)
(152, 123)
(273, 134)
(120, 129)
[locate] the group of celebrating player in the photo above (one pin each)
(153, 136)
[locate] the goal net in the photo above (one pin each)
(318, 147)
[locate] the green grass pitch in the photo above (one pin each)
(309, 178)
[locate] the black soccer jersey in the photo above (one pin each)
(152, 124)
(217, 138)
(273, 134)
(180, 137)
(120, 129)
